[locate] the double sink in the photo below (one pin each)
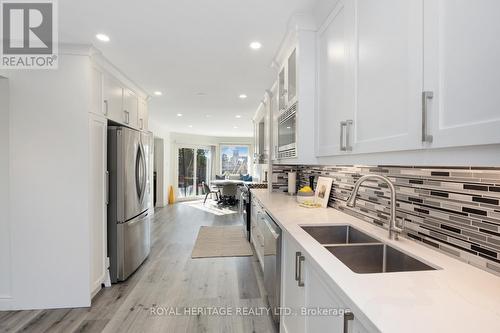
(362, 253)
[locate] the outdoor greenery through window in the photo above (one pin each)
(194, 168)
(234, 159)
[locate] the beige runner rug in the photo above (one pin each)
(227, 241)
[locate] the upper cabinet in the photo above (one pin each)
(113, 99)
(335, 84)
(369, 77)
(293, 122)
(461, 71)
(119, 103)
(130, 108)
(143, 114)
(398, 75)
(388, 75)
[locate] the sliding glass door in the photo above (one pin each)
(194, 168)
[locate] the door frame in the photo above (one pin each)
(176, 168)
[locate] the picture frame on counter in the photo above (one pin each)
(322, 193)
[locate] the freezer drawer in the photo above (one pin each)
(134, 244)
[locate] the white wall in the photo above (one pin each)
(160, 131)
(5, 290)
(49, 185)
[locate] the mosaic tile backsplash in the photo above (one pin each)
(452, 209)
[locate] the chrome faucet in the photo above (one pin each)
(394, 230)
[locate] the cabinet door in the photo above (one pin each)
(130, 108)
(292, 295)
(113, 99)
(461, 69)
(97, 106)
(143, 122)
(335, 79)
(98, 200)
(389, 79)
(274, 124)
(282, 89)
(291, 78)
(320, 296)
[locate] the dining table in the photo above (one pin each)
(229, 186)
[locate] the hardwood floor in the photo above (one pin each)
(169, 278)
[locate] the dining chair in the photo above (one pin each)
(208, 191)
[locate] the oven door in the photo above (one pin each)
(287, 133)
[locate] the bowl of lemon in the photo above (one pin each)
(305, 195)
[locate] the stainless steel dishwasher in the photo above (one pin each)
(272, 264)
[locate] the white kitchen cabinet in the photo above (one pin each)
(97, 106)
(113, 99)
(296, 90)
(370, 79)
(256, 227)
(98, 200)
(335, 80)
(461, 55)
(143, 122)
(292, 295)
(320, 296)
(388, 75)
(312, 297)
(396, 75)
(130, 108)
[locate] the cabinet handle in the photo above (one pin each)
(348, 125)
(127, 116)
(300, 281)
(297, 256)
(141, 122)
(426, 96)
(343, 125)
(105, 107)
(348, 316)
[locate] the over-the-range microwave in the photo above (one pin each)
(287, 133)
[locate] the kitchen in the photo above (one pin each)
(359, 148)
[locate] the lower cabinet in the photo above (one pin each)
(292, 294)
(256, 225)
(309, 300)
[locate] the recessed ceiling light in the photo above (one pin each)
(235, 127)
(255, 45)
(158, 93)
(201, 94)
(243, 96)
(179, 115)
(190, 126)
(208, 115)
(238, 116)
(102, 37)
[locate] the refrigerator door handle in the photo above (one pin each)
(144, 173)
(138, 172)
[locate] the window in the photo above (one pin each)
(234, 159)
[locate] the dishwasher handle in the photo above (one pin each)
(272, 226)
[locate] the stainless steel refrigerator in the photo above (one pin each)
(129, 239)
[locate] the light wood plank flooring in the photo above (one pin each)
(169, 278)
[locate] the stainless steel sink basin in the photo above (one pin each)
(338, 234)
(376, 258)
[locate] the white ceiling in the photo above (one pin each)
(187, 47)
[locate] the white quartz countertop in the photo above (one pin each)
(457, 297)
